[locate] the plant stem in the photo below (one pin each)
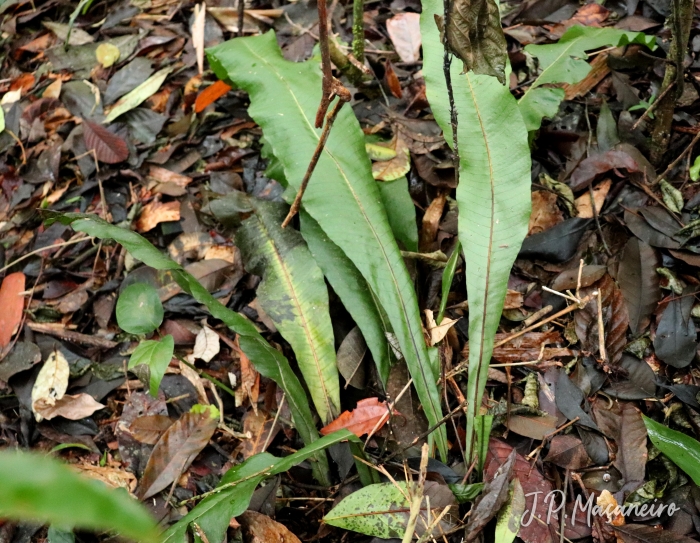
(446, 65)
(681, 20)
(358, 30)
(327, 85)
(241, 17)
(314, 160)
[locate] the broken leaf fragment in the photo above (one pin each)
(156, 355)
(207, 344)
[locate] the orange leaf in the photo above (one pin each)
(210, 95)
(12, 304)
(361, 420)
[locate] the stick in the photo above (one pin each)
(680, 157)
(652, 107)
(327, 85)
(241, 16)
(314, 159)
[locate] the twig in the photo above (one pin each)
(597, 221)
(601, 330)
(314, 159)
(274, 422)
(47, 248)
(69, 335)
(680, 157)
(241, 17)
(416, 494)
(389, 410)
(330, 86)
(652, 107)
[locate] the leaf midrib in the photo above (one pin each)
(364, 214)
(487, 290)
(304, 322)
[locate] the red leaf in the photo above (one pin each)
(361, 420)
(210, 95)
(109, 148)
(12, 304)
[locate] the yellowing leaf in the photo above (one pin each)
(397, 167)
(377, 151)
(139, 95)
(51, 383)
(107, 54)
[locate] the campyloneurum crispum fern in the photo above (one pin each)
(493, 194)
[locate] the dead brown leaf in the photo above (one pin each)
(545, 212)
(157, 212)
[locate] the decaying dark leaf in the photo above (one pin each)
(623, 423)
(176, 450)
(475, 35)
(567, 451)
(676, 337)
(641, 533)
(108, 147)
(639, 283)
(569, 398)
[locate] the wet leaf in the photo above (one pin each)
(676, 336)
(558, 244)
(207, 344)
(210, 95)
(127, 79)
(139, 310)
(176, 450)
(107, 146)
(69, 407)
(639, 283)
(349, 358)
(639, 384)
(51, 383)
(361, 420)
(12, 303)
(569, 399)
(475, 35)
(382, 510)
(157, 356)
(24, 356)
(404, 31)
(39, 488)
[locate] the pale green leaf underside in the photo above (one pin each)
(294, 295)
(342, 195)
(493, 194)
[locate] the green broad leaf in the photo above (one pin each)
(400, 211)
(352, 289)
(493, 195)
(694, 171)
(139, 309)
(41, 489)
(682, 450)
(539, 103)
(466, 492)
(483, 425)
(56, 535)
(448, 275)
(508, 519)
(379, 152)
(475, 35)
(139, 95)
(268, 361)
(382, 510)
(341, 191)
(566, 62)
(233, 493)
(294, 295)
(157, 356)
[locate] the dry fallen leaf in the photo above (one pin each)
(583, 202)
(437, 331)
(69, 407)
(149, 428)
(210, 95)
(610, 510)
(207, 344)
(404, 31)
(260, 528)
(113, 477)
(545, 212)
(51, 383)
(262, 429)
(361, 420)
(250, 383)
(193, 377)
(200, 13)
(155, 213)
(12, 304)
